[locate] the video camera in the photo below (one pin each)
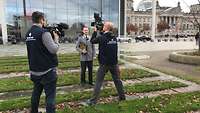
(98, 22)
(57, 28)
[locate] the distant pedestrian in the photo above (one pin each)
(197, 37)
(177, 36)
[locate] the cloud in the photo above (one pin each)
(172, 3)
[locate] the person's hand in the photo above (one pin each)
(84, 51)
(56, 37)
(95, 29)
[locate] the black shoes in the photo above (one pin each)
(90, 102)
(122, 98)
(91, 83)
(85, 84)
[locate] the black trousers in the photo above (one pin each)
(48, 83)
(84, 65)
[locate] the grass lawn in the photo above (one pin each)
(24, 83)
(20, 63)
(178, 103)
(20, 103)
(198, 68)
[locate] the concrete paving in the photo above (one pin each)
(20, 49)
(159, 60)
(157, 46)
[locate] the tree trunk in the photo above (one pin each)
(199, 43)
(199, 39)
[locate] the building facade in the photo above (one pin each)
(17, 13)
(177, 21)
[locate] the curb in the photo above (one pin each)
(185, 59)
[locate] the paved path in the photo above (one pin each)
(159, 60)
(157, 46)
(20, 50)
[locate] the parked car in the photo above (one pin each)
(13, 39)
(124, 39)
(143, 38)
(182, 36)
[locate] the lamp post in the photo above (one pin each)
(24, 7)
(153, 19)
(125, 16)
(3, 22)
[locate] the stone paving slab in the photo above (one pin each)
(149, 79)
(10, 75)
(191, 88)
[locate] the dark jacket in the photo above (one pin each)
(197, 36)
(108, 48)
(40, 59)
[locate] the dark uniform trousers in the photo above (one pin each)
(89, 65)
(48, 83)
(114, 70)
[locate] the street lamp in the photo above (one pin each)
(24, 6)
(3, 22)
(153, 19)
(125, 17)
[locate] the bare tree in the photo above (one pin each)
(146, 27)
(0, 30)
(131, 28)
(194, 18)
(161, 26)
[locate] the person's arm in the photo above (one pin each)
(95, 38)
(51, 45)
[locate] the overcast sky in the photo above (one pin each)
(172, 3)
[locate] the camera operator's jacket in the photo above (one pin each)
(86, 44)
(108, 48)
(40, 59)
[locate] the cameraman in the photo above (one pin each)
(87, 53)
(108, 61)
(42, 49)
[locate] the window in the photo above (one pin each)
(69, 11)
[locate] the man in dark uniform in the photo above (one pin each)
(197, 38)
(42, 49)
(108, 61)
